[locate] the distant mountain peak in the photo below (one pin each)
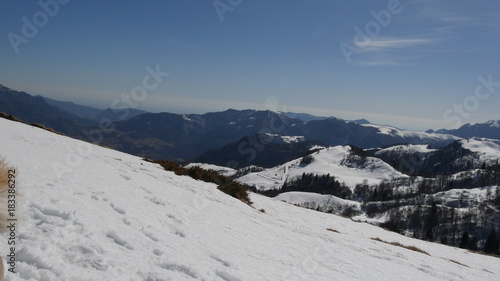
(489, 129)
(361, 121)
(493, 123)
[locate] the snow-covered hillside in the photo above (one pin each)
(320, 202)
(407, 148)
(488, 150)
(221, 170)
(326, 161)
(412, 136)
(91, 213)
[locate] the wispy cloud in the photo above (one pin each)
(458, 19)
(390, 51)
(182, 43)
(379, 63)
(380, 44)
(449, 15)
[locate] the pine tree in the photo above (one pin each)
(428, 235)
(492, 245)
(464, 242)
(473, 243)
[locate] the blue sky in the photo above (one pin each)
(417, 67)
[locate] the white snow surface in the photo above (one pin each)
(493, 123)
(112, 216)
(226, 171)
(326, 161)
(301, 197)
(287, 139)
(292, 139)
(488, 149)
(314, 200)
(410, 148)
(389, 130)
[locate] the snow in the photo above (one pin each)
(292, 139)
(493, 123)
(222, 170)
(389, 130)
(322, 201)
(286, 139)
(316, 147)
(466, 198)
(409, 148)
(91, 213)
(326, 161)
(489, 149)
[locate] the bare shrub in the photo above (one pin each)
(412, 248)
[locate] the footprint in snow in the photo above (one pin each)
(158, 252)
(156, 201)
(52, 212)
(223, 262)
(151, 236)
(118, 209)
(179, 268)
(226, 276)
(180, 233)
(118, 240)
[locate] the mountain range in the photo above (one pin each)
(489, 129)
(95, 114)
(429, 185)
(187, 137)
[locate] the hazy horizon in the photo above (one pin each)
(415, 65)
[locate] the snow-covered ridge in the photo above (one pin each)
(91, 213)
(325, 161)
(286, 139)
(493, 123)
(488, 149)
(321, 202)
(410, 135)
(409, 148)
(225, 171)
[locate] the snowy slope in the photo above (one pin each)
(407, 148)
(323, 202)
(412, 136)
(220, 169)
(112, 216)
(487, 149)
(326, 161)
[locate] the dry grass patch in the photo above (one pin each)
(15, 119)
(484, 254)
(9, 117)
(224, 184)
(412, 248)
(459, 263)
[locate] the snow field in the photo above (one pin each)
(112, 216)
(326, 161)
